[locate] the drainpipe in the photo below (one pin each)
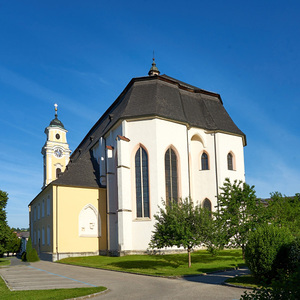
(107, 200)
(216, 168)
(188, 156)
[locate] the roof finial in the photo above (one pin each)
(55, 107)
(154, 70)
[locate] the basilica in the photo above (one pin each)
(161, 139)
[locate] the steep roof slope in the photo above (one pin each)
(151, 96)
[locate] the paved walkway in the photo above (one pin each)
(47, 275)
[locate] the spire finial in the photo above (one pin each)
(154, 70)
(55, 107)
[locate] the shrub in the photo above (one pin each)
(32, 256)
(285, 288)
(23, 256)
(263, 247)
(28, 245)
(288, 257)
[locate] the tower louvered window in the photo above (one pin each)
(142, 183)
(171, 175)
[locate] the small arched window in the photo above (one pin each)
(230, 161)
(206, 204)
(204, 161)
(171, 175)
(142, 183)
(58, 171)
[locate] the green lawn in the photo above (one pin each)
(163, 265)
(4, 262)
(57, 294)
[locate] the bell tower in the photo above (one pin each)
(56, 152)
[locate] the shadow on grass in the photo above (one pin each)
(144, 264)
(217, 278)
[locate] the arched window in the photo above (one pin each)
(142, 183)
(206, 204)
(171, 175)
(230, 161)
(204, 161)
(58, 171)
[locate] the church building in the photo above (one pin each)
(161, 139)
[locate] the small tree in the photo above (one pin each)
(239, 212)
(4, 229)
(181, 224)
(13, 242)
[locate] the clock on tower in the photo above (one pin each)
(56, 150)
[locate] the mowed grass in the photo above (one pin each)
(4, 262)
(57, 294)
(163, 265)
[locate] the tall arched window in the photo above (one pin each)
(204, 161)
(206, 204)
(171, 175)
(142, 183)
(230, 161)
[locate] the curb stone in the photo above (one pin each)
(91, 295)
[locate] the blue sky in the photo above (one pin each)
(82, 54)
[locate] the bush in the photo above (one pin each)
(23, 256)
(29, 245)
(288, 257)
(262, 249)
(285, 288)
(32, 256)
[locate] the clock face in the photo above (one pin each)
(58, 153)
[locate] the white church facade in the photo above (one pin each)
(161, 139)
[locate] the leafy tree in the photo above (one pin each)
(13, 242)
(239, 212)
(3, 223)
(284, 211)
(181, 224)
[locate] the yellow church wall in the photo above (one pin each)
(62, 133)
(68, 202)
(41, 221)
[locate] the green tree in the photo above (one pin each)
(284, 211)
(13, 242)
(239, 212)
(181, 224)
(4, 233)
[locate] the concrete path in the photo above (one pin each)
(47, 275)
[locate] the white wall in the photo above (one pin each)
(126, 231)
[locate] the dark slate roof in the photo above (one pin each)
(85, 172)
(56, 122)
(152, 96)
